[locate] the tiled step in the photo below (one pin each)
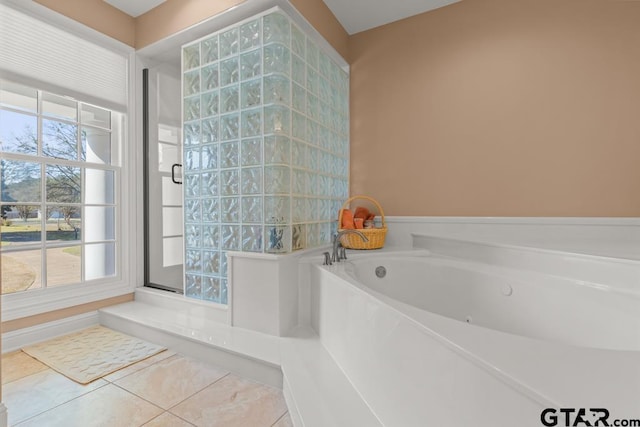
(247, 353)
(318, 393)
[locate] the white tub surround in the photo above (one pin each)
(263, 290)
(415, 367)
(611, 237)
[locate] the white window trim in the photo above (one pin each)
(30, 303)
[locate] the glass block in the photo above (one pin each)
(191, 108)
(312, 209)
(192, 235)
(211, 209)
(312, 184)
(324, 185)
(299, 210)
(312, 53)
(210, 130)
(224, 297)
(210, 77)
(252, 122)
(324, 90)
(229, 154)
(299, 181)
(210, 262)
(192, 211)
(211, 289)
(251, 152)
(323, 137)
(298, 125)
(191, 133)
(193, 286)
(325, 117)
(210, 185)
(252, 238)
(210, 104)
(334, 98)
(299, 98)
(250, 64)
(209, 156)
(192, 185)
(276, 59)
(229, 99)
(276, 180)
(298, 70)
(229, 126)
(223, 264)
(312, 81)
(298, 41)
(324, 64)
(251, 180)
(229, 182)
(298, 154)
(324, 210)
(276, 210)
(276, 89)
(312, 132)
(209, 49)
(191, 83)
(250, 35)
(275, 28)
(252, 209)
(313, 235)
(324, 233)
(312, 159)
(251, 93)
(210, 236)
(229, 43)
(277, 239)
(229, 72)
(313, 108)
(193, 261)
(191, 159)
(276, 119)
(190, 57)
(335, 165)
(276, 150)
(298, 237)
(230, 237)
(230, 209)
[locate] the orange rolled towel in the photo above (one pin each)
(359, 223)
(361, 213)
(371, 217)
(347, 219)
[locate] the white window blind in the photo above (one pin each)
(42, 52)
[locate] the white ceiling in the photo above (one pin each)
(360, 15)
(135, 7)
(354, 15)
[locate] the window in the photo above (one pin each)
(59, 201)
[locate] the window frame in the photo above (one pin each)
(24, 304)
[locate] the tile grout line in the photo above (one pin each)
(207, 386)
(281, 417)
(63, 403)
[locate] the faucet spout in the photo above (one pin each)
(337, 254)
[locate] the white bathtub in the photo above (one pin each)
(452, 342)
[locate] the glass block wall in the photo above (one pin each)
(266, 146)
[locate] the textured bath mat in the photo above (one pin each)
(92, 353)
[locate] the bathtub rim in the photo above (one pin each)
(527, 376)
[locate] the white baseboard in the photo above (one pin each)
(15, 340)
(3, 415)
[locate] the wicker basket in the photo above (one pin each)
(375, 235)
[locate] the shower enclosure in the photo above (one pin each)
(263, 140)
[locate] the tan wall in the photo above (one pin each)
(97, 14)
(25, 322)
(500, 108)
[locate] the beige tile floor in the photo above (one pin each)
(166, 390)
